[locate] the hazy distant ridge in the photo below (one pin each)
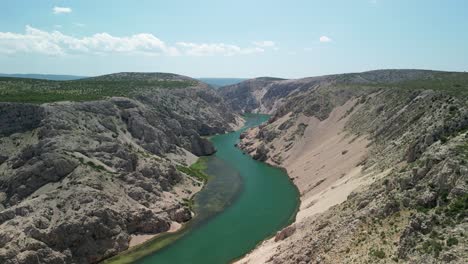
(52, 77)
(219, 82)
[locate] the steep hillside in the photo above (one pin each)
(245, 96)
(265, 94)
(79, 179)
(380, 159)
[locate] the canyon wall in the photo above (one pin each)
(380, 159)
(78, 179)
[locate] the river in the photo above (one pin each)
(244, 202)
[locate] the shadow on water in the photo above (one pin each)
(244, 202)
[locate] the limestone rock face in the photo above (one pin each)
(202, 147)
(242, 97)
(181, 215)
(261, 153)
(285, 233)
(15, 118)
(78, 178)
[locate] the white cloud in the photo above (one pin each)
(55, 43)
(324, 39)
(264, 44)
(213, 49)
(61, 10)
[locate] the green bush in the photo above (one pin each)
(451, 241)
(432, 246)
(458, 208)
(189, 203)
(378, 253)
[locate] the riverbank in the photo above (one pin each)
(195, 168)
(141, 245)
(136, 240)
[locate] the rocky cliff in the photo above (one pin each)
(380, 159)
(78, 178)
(246, 96)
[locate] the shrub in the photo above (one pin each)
(458, 208)
(451, 241)
(378, 253)
(432, 246)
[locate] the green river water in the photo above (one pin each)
(244, 202)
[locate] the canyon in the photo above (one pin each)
(379, 159)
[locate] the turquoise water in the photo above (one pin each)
(245, 202)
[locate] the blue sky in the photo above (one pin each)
(218, 38)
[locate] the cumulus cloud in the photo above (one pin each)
(223, 49)
(264, 44)
(325, 39)
(56, 43)
(61, 10)
(213, 49)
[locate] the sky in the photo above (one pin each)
(236, 38)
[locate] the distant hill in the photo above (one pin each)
(215, 82)
(52, 77)
(219, 82)
(124, 84)
(141, 76)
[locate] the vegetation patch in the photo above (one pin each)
(452, 241)
(196, 170)
(378, 253)
(95, 166)
(45, 91)
(458, 208)
(189, 203)
(462, 150)
(432, 246)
